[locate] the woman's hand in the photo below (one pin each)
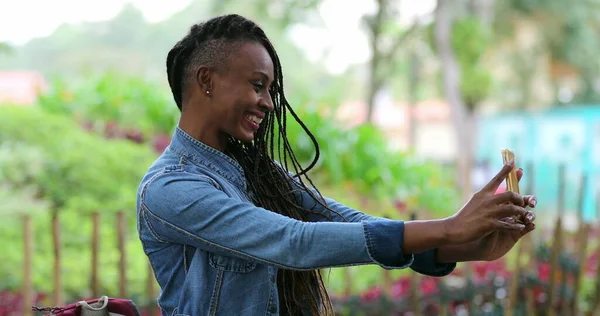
(486, 213)
(498, 243)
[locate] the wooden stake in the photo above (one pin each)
(57, 298)
(581, 241)
(529, 242)
(557, 246)
(121, 236)
(596, 304)
(27, 290)
(95, 249)
(514, 282)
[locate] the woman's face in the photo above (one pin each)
(240, 92)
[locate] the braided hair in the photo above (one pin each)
(271, 185)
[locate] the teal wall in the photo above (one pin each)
(569, 135)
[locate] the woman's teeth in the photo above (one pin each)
(254, 119)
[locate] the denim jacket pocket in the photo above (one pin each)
(176, 312)
(231, 264)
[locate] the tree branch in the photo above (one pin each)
(401, 40)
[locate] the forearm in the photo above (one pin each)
(459, 253)
(420, 236)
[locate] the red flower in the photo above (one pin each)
(428, 286)
(370, 295)
(400, 206)
(544, 271)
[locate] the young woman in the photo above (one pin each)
(230, 221)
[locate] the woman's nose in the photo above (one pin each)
(267, 104)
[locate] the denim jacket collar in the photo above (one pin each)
(194, 150)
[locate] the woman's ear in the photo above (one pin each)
(204, 80)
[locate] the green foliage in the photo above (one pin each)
(5, 48)
(111, 97)
(570, 35)
(49, 161)
(470, 42)
(359, 160)
(76, 161)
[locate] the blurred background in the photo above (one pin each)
(410, 100)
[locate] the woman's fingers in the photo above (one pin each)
(508, 210)
(508, 197)
(499, 177)
(529, 218)
(530, 200)
(519, 174)
(503, 225)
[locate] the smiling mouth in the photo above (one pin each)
(253, 118)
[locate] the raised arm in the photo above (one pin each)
(185, 208)
(424, 262)
(438, 244)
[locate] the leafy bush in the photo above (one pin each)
(81, 172)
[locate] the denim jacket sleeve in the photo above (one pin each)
(424, 262)
(186, 208)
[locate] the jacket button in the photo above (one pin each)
(273, 308)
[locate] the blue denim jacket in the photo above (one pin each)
(215, 253)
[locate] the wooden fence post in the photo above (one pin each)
(557, 245)
(581, 242)
(121, 236)
(596, 304)
(95, 285)
(27, 290)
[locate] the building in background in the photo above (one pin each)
(434, 133)
(21, 87)
(544, 140)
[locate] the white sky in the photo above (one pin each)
(22, 20)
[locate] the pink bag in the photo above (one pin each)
(103, 306)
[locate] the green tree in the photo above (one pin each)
(386, 36)
(5, 48)
(569, 34)
(83, 174)
(462, 39)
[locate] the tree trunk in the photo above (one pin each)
(414, 80)
(374, 80)
(27, 290)
(444, 17)
(484, 10)
(95, 249)
(121, 233)
(57, 298)
(468, 153)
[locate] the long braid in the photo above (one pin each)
(269, 184)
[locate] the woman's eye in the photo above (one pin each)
(257, 86)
